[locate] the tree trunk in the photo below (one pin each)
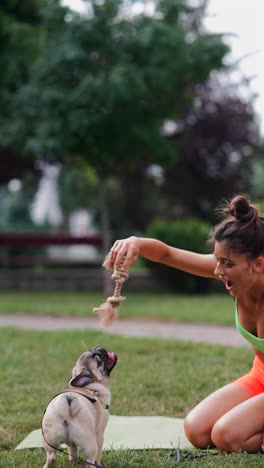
(108, 285)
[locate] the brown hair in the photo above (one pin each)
(243, 228)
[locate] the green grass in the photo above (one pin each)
(36, 365)
(215, 308)
(152, 377)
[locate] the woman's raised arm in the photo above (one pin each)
(157, 251)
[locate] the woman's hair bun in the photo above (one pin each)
(241, 209)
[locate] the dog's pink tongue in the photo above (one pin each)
(111, 359)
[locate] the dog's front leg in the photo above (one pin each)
(51, 459)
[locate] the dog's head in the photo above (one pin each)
(94, 365)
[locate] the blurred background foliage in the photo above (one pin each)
(134, 109)
(189, 234)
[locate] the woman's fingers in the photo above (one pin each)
(124, 248)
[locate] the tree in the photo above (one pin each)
(20, 39)
(102, 86)
(13, 166)
(21, 42)
(216, 142)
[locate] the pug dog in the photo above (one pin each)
(78, 416)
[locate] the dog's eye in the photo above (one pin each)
(98, 358)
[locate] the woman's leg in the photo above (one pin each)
(242, 427)
(199, 423)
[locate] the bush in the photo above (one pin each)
(260, 206)
(188, 234)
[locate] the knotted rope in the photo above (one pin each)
(108, 310)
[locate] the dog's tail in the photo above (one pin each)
(66, 404)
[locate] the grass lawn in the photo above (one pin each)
(152, 377)
(214, 308)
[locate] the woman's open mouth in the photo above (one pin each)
(228, 285)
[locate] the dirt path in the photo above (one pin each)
(196, 332)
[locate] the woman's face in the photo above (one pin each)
(234, 269)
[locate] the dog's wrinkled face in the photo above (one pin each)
(94, 365)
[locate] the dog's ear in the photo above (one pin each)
(81, 380)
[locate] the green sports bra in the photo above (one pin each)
(256, 342)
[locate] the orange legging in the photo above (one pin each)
(253, 381)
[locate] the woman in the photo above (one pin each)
(231, 418)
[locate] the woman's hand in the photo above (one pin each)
(128, 248)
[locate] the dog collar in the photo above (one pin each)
(104, 405)
(92, 399)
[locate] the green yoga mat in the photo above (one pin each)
(132, 432)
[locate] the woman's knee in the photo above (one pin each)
(224, 438)
(196, 431)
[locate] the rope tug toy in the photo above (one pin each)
(108, 310)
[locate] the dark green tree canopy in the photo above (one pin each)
(102, 85)
(20, 41)
(21, 37)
